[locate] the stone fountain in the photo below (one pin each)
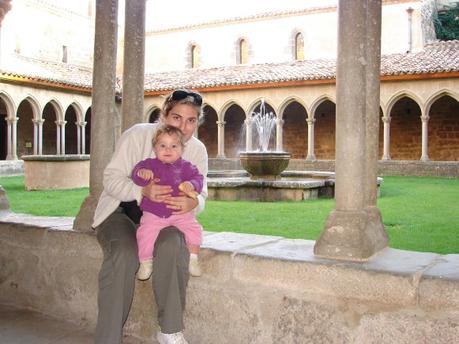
(261, 163)
(265, 178)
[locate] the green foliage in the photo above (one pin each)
(447, 24)
(419, 213)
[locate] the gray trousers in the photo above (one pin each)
(116, 236)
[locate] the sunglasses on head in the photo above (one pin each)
(182, 94)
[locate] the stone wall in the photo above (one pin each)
(255, 289)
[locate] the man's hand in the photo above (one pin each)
(181, 204)
(157, 193)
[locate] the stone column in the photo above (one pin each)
(386, 143)
(221, 139)
(248, 134)
(58, 138)
(134, 65)
(62, 129)
(9, 155)
(35, 136)
(354, 229)
(14, 138)
(78, 125)
(279, 134)
(40, 136)
(425, 138)
(103, 106)
(83, 137)
(311, 156)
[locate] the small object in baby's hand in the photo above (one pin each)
(193, 194)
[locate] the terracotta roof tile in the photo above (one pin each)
(437, 57)
(47, 71)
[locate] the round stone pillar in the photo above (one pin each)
(354, 229)
(103, 131)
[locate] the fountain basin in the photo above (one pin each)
(292, 186)
(50, 172)
(236, 185)
(264, 165)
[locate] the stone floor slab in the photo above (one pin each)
(29, 327)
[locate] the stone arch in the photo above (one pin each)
(78, 110)
(208, 130)
(323, 111)
(443, 127)
(52, 114)
(315, 104)
(73, 117)
(6, 112)
(437, 95)
(405, 127)
(28, 111)
(59, 109)
(295, 128)
(9, 105)
(234, 117)
(152, 114)
(399, 95)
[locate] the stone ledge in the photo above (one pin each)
(270, 289)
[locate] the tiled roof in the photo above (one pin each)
(58, 73)
(437, 57)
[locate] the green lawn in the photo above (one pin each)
(419, 213)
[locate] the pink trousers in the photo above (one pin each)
(151, 225)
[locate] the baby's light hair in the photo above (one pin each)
(169, 130)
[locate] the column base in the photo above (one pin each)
(352, 235)
(84, 219)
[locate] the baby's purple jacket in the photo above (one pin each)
(168, 174)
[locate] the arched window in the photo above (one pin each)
(195, 58)
(243, 52)
(299, 47)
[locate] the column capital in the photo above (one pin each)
(386, 119)
(60, 122)
(38, 121)
(221, 123)
(81, 124)
(279, 121)
(12, 120)
(310, 121)
(248, 121)
(425, 118)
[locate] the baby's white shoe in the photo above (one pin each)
(145, 270)
(194, 268)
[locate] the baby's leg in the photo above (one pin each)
(192, 230)
(147, 233)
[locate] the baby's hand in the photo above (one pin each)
(188, 189)
(145, 174)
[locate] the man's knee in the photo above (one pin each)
(170, 240)
(117, 238)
